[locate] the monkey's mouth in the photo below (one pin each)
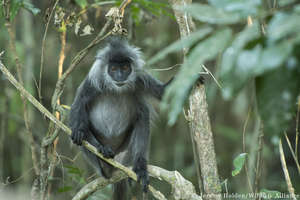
(120, 84)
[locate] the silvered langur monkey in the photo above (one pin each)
(111, 112)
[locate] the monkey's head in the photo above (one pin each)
(116, 66)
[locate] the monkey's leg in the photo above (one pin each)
(102, 168)
(139, 146)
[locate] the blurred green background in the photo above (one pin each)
(255, 60)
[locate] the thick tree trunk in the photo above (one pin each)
(203, 138)
(201, 134)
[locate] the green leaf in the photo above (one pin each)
(273, 56)
(238, 68)
(31, 8)
(186, 42)
(177, 92)
(243, 7)
(282, 3)
(276, 94)
(229, 71)
(212, 15)
(81, 3)
(238, 163)
(65, 189)
(73, 170)
(270, 194)
(15, 6)
(283, 25)
(156, 8)
(135, 13)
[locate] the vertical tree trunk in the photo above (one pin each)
(203, 138)
(201, 134)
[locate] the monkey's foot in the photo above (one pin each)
(140, 168)
(106, 151)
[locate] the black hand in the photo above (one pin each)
(140, 169)
(106, 151)
(78, 134)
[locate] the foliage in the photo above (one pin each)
(238, 163)
(266, 53)
(15, 5)
(266, 59)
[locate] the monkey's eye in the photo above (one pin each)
(113, 68)
(126, 67)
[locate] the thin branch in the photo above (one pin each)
(43, 50)
(58, 123)
(293, 153)
(12, 43)
(58, 116)
(297, 129)
(181, 188)
(123, 6)
(286, 172)
(259, 158)
(75, 61)
(30, 98)
(98, 184)
(244, 150)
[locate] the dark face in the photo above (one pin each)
(119, 71)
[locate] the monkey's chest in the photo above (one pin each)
(111, 115)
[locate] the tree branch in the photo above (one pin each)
(181, 188)
(42, 109)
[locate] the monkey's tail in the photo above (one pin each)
(120, 190)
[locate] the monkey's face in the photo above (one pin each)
(119, 72)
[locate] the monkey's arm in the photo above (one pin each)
(151, 85)
(79, 119)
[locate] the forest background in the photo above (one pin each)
(248, 51)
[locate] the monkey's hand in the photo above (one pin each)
(140, 168)
(78, 134)
(106, 151)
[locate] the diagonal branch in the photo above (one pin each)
(42, 109)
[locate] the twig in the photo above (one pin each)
(30, 98)
(259, 158)
(76, 60)
(286, 172)
(297, 128)
(123, 6)
(12, 43)
(43, 50)
(98, 184)
(206, 70)
(293, 153)
(90, 147)
(181, 188)
(60, 71)
(244, 150)
(165, 69)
